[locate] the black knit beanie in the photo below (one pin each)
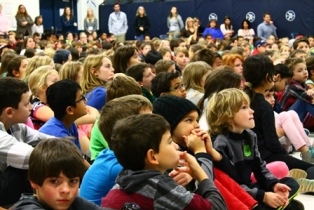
(173, 109)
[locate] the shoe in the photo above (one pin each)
(297, 174)
(307, 156)
(295, 205)
(306, 185)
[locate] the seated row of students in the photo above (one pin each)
(76, 97)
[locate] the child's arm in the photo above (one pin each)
(43, 113)
(206, 187)
(89, 118)
(208, 145)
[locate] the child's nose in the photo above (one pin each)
(65, 188)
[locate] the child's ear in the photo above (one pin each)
(8, 112)
(94, 72)
(163, 94)
(140, 83)
(34, 186)
(151, 158)
(69, 110)
(277, 78)
(16, 73)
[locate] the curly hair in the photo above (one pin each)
(222, 107)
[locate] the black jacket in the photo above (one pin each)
(141, 22)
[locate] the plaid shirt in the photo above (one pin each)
(15, 147)
(294, 91)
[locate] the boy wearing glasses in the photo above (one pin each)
(68, 103)
(168, 83)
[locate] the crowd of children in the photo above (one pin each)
(156, 124)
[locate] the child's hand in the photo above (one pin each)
(194, 143)
(274, 200)
(310, 92)
(190, 165)
(282, 190)
(207, 140)
(181, 178)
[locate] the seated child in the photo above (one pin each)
(290, 130)
(310, 69)
(143, 146)
(17, 140)
(39, 80)
(143, 75)
(168, 83)
(165, 66)
(66, 100)
(101, 176)
(121, 85)
(229, 117)
(298, 96)
(194, 76)
(183, 115)
(55, 177)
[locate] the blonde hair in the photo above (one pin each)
(193, 73)
(181, 49)
(49, 52)
(89, 80)
(38, 78)
(93, 18)
(138, 13)
(34, 63)
(70, 70)
(222, 107)
(283, 46)
(186, 22)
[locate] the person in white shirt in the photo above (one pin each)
(118, 23)
(246, 31)
(4, 23)
(226, 27)
(38, 27)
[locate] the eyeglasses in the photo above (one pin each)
(178, 88)
(83, 98)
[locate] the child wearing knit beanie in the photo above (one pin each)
(183, 116)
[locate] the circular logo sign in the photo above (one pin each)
(250, 16)
(213, 16)
(290, 15)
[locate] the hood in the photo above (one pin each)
(131, 181)
(29, 202)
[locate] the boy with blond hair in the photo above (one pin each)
(230, 117)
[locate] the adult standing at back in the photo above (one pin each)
(141, 23)
(266, 28)
(4, 22)
(24, 22)
(118, 23)
(68, 21)
(90, 22)
(174, 23)
(38, 26)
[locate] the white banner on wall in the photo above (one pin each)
(82, 6)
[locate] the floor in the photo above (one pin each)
(306, 199)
